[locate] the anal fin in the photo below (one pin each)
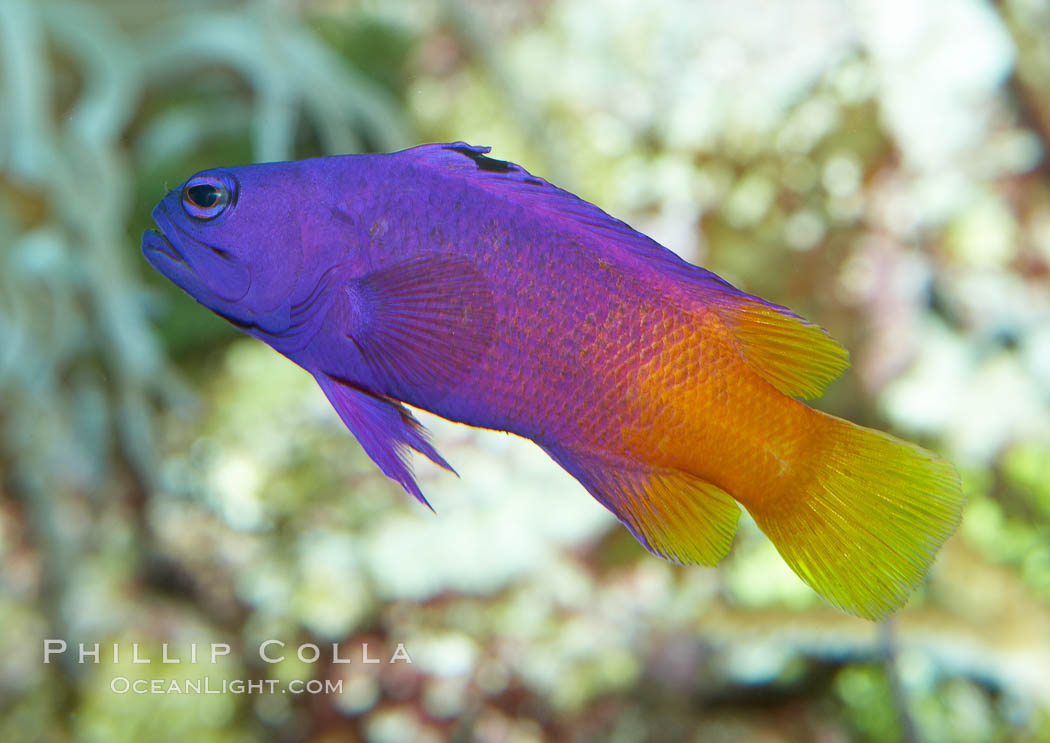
(673, 514)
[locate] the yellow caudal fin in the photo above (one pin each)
(673, 514)
(867, 517)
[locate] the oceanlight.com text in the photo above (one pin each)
(208, 685)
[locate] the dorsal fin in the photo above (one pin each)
(512, 182)
(794, 355)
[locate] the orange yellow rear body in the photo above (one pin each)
(857, 513)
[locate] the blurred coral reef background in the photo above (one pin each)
(879, 166)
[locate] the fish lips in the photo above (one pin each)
(197, 267)
(166, 258)
(160, 253)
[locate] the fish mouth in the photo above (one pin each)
(200, 268)
(154, 242)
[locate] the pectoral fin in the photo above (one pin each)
(672, 513)
(424, 323)
(386, 430)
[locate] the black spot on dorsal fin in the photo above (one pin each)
(484, 162)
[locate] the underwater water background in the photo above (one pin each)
(879, 166)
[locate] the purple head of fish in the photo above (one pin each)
(236, 243)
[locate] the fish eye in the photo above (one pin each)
(206, 197)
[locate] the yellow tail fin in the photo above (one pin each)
(866, 519)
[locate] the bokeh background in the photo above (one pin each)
(880, 166)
